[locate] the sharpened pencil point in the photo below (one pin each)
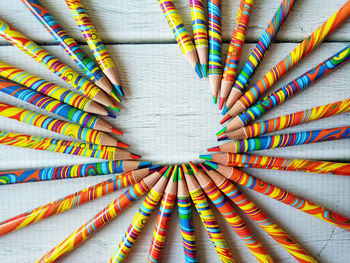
(184, 168)
(193, 167)
(119, 89)
(215, 99)
(211, 164)
(154, 168)
(114, 107)
(224, 110)
(122, 145)
(225, 119)
(135, 156)
(205, 167)
(163, 170)
(145, 164)
(115, 95)
(222, 131)
(167, 173)
(116, 131)
(197, 68)
(222, 102)
(204, 70)
(223, 138)
(214, 149)
(110, 114)
(205, 156)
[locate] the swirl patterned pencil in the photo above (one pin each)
(235, 51)
(73, 200)
(207, 217)
(71, 171)
(256, 214)
(61, 109)
(281, 195)
(278, 163)
(64, 146)
(215, 41)
(180, 33)
(141, 218)
(95, 43)
(186, 222)
(288, 90)
(48, 88)
(54, 65)
(72, 48)
(163, 219)
(292, 59)
(259, 51)
(283, 140)
(200, 33)
(227, 211)
(102, 218)
(59, 126)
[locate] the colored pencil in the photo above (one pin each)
(71, 171)
(54, 65)
(59, 126)
(227, 211)
(181, 34)
(102, 218)
(71, 47)
(64, 146)
(235, 51)
(283, 140)
(278, 163)
(95, 43)
(186, 222)
(215, 42)
(286, 121)
(48, 88)
(292, 59)
(258, 216)
(282, 195)
(163, 219)
(200, 33)
(73, 200)
(289, 90)
(258, 52)
(207, 217)
(52, 105)
(141, 218)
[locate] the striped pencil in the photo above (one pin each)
(95, 43)
(71, 47)
(52, 105)
(102, 218)
(287, 63)
(71, 171)
(281, 195)
(283, 140)
(258, 52)
(64, 146)
(73, 200)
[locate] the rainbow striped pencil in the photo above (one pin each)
(59, 126)
(54, 65)
(95, 43)
(283, 140)
(73, 200)
(281, 195)
(287, 91)
(52, 105)
(186, 223)
(72, 48)
(258, 52)
(180, 33)
(141, 218)
(278, 163)
(102, 218)
(64, 146)
(256, 214)
(71, 171)
(287, 63)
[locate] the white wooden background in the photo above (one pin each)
(168, 117)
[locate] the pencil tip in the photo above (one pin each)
(110, 114)
(145, 164)
(166, 174)
(204, 70)
(224, 110)
(197, 68)
(119, 89)
(163, 170)
(184, 167)
(116, 131)
(114, 95)
(222, 131)
(215, 99)
(223, 138)
(193, 167)
(205, 167)
(221, 104)
(135, 156)
(211, 165)
(205, 156)
(214, 149)
(122, 145)
(113, 107)
(154, 168)
(226, 118)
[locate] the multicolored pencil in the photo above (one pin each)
(180, 33)
(283, 140)
(278, 163)
(258, 52)
(69, 44)
(64, 146)
(71, 171)
(287, 63)
(95, 43)
(281, 195)
(73, 200)
(102, 218)
(141, 218)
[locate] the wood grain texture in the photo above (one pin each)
(168, 117)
